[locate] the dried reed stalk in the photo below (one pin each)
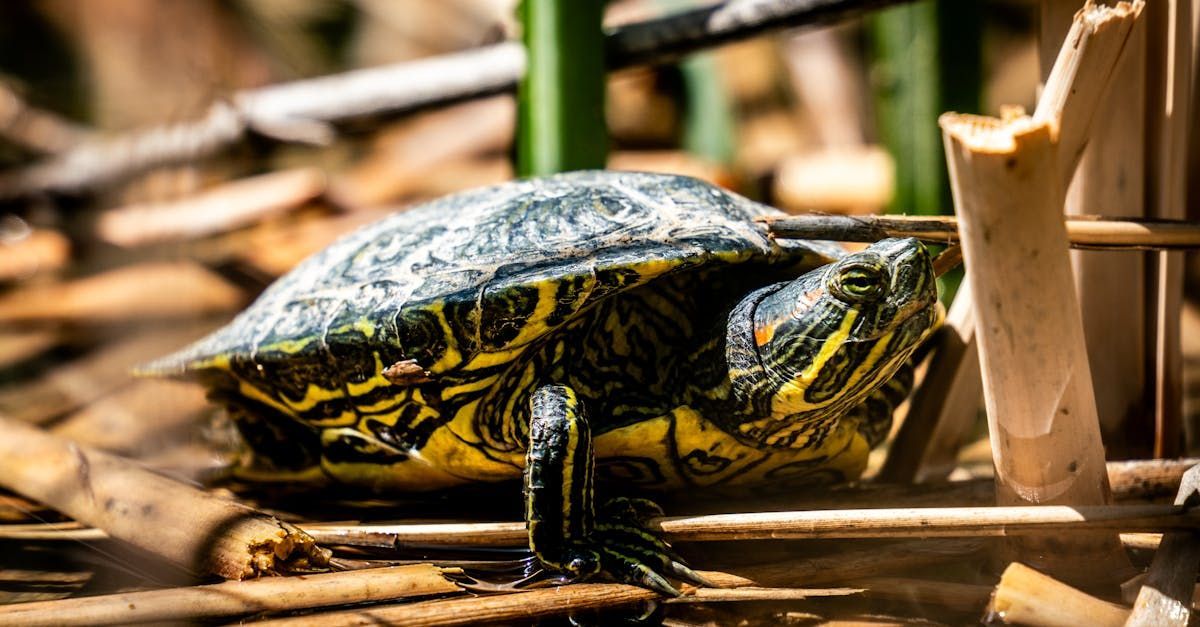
(186, 526)
(1007, 181)
(1026, 597)
(1085, 232)
(1130, 480)
(235, 598)
(1110, 180)
(503, 608)
(930, 522)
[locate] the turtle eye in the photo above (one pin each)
(858, 282)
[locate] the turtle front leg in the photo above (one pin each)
(566, 533)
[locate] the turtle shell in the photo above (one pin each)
(463, 283)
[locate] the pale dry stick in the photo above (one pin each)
(1110, 180)
(539, 604)
(303, 110)
(502, 608)
(1007, 181)
(1148, 478)
(200, 532)
(236, 598)
(1085, 232)
(1166, 595)
(579, 598)
(1142, 541)
(147, 291)
(222, 208)
(752, 593)
(928, 522)
(1026, 597)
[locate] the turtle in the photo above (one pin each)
(591, 328)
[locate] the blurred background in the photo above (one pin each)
(834, 119)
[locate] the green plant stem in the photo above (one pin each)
(561, 99)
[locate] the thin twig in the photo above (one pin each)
(303, 110)
(1085, 232)
(235, 598)
(931, 522)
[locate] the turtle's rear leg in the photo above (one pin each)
(566, 533)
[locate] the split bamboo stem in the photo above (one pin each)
(1007, 179)
(1083, 232)
(929, 522)
(1110, 180)
(235, 598)
(201, 532)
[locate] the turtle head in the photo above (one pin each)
(823, 342)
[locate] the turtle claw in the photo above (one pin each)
(658, 583)
(631, 554)
(681, 571)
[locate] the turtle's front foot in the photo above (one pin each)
(565, 532)
(631, 553)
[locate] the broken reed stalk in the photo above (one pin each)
(502, 608)
(303, 110)
(1007, 179)
(929, 522)
(1110, 180)
(576, 599)
(200, 532)
(1026, 597)
(235, 598)
(1083, 232)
